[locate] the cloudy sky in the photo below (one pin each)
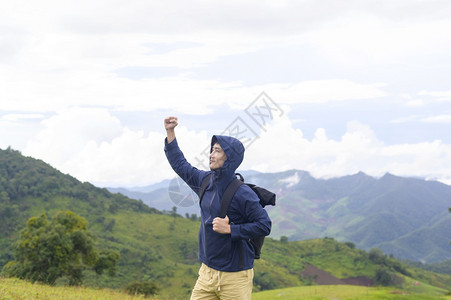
(353, 85)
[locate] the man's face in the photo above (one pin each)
(217, 157)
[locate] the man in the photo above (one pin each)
(226, 255)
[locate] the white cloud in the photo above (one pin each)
(64, 60)
(19, 117)
(367, 39)
(132, 158)
(427, 159)
(438, 95)
(310, 91)
(321, 91)
(283, 148)
(411, 101)
(66, 133)
(437, 119)
(292, 180)
(69, 54)
(94, 146)
(405, 119)
(415, 103)
(90, 87)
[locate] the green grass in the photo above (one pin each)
(342, 292)
(11, 288)
(18, 289)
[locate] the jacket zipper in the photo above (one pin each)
(209, 211)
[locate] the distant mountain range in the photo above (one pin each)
(405, 217)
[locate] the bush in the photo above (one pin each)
(265, 280)
(284, 239)
(146, 288)
(384, 277)
(377, 256)
(62, 247)
(350, 245)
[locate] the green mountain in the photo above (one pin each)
(405, 217)
(153, 246)
(162, 247)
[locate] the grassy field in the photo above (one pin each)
(341, 292)
(19, 289)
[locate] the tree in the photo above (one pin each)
(383, 276)
(174, 211)
(62, 247)
(377, 256)
(142, 287)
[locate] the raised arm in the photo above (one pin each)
(191, 175)
(169, 124)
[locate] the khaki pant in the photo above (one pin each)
(213, 284)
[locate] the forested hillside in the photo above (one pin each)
(405, 217)
(152, 246)
(162, 247)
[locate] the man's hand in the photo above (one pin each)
(221, 225)
(169, 124)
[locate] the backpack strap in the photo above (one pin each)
(225, 203)
(204, 186)
(228, 195)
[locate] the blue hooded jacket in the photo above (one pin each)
(223, 252)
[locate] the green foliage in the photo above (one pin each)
(443, 267)
(364, 210)
(29, 186)
(266, 281)
(192, 217)
(350, 245)
(283, 239)
(157, 247)
(61, 248)
(146, 288)
(383, 276)
(379, 258)
(107, 260)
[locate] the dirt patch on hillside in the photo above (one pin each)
(365, 281)
(322, 277)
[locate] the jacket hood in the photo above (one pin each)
(234, 151)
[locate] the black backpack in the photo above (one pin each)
(266, 198)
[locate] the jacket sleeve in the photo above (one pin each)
(256, 219)
(191, 175)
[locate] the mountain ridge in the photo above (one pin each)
(384, 212)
